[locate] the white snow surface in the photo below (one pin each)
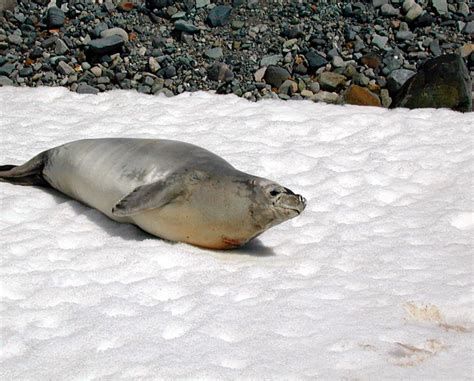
(373, 281)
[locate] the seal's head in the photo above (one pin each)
(272, 203)
(241, 207)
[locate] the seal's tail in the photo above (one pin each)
(30, 173)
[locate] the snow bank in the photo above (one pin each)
(373, 281)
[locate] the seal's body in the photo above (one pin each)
(171, 189)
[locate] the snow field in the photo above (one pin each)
(374, 280)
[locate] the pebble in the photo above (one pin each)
(403, 35)
(184, 26)
(379, 41)
(7, 69)
(15, 39)
(330, 81)
(441, 6)
(259, 74)
(220, 72)
(315, 60)
(413, 12)
(326, 96)
(219, 15)
(153, 65)
(388, 10)
(5, 81)
(55, 18)
(64, 68)
(288, 87)
(202, 3)
(106, 45)
(113, 32)
(60, 47)
(276, 75)
(214, 53)
(272, 59)
(84, 88)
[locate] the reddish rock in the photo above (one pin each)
(357, 95)
(372, 60)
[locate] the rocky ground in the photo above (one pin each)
(333, 51)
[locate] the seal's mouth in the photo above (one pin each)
(292, 202)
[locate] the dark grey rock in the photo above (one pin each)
(388, 10)
(109, 6)
(5, 81)
(15, 39)
(397, 79)
(26, 71)
(49, 42)
(103, 80)
(144, 89)
(157, 4)
(60, 47)
(219, 15)
(441, 6)
(184, 26)
(7, 69)
(220, 72)
(404, 35)
(441, 82)
(115, 31)
(379, 41)
(435, 49)
(469, 28)
(276, 75)
(426, 19)
(106, 45)
(36, 52)
(64, 68)
(149, 81)
(315, 60)
(169, 72)
(202, 3)
(55, 17)
(99, 28)
(84, 88)
(379, 3)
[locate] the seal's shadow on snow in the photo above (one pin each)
(130, 232)
(254, 248)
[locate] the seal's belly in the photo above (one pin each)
(182, 223)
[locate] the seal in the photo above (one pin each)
(173, 190)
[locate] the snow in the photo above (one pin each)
(374, 280)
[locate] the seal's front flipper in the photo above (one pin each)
(149, 196)
(30, 173)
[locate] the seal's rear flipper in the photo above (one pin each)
(30, 173)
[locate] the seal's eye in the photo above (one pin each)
(274, 193)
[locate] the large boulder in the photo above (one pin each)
(441, 82)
